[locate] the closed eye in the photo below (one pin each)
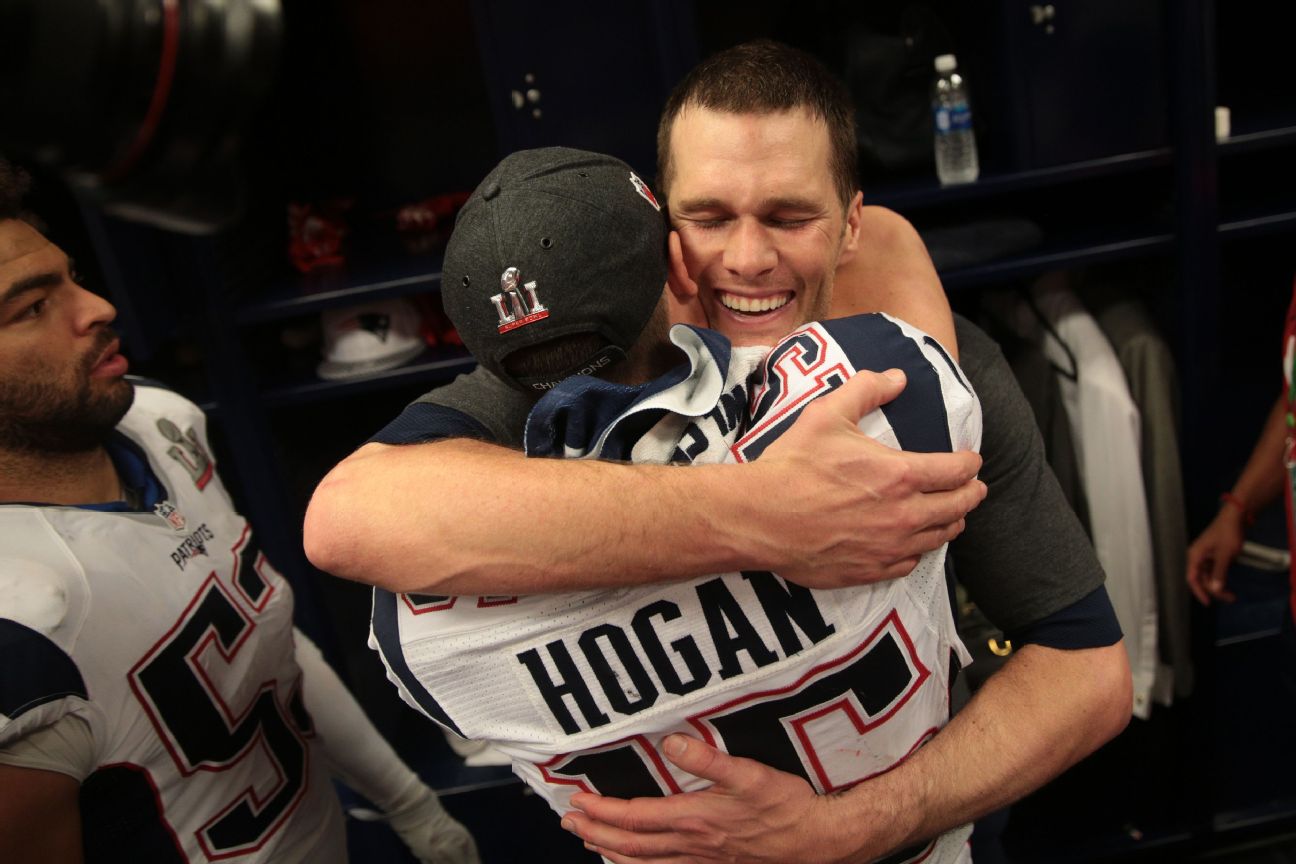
(705, 223)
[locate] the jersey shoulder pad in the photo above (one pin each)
(39, 596)
(41, 611)
(157, 399)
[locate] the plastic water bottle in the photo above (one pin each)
(956, 152)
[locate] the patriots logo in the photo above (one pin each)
(642, 188)
(376, 323)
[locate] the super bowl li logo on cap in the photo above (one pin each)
(516, 310)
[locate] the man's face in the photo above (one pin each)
(759, 219)
(61, 385)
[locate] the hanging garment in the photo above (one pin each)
(1038, 379)
(1106, 432)
(1153, 381)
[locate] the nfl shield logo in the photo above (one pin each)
(167, 511)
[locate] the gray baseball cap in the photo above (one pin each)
(554, 242)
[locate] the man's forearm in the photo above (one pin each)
(1043, 712)
(825, 506)
(463, 517)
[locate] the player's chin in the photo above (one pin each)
(108, 401)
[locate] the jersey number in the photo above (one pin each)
(801, 358)
(184, 698)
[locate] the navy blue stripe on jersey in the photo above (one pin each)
(121, 819)
(1090, 622)
(134, 469)
(33, 670)
(949, 361)
(142, 381)
(577, 411)
(917, 415)
(574, 412)
(386, 629)
(427, 421)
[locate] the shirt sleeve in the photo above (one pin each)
(65, 746)
(1023, 555)
(1090, 622)
(423, 421)
(477, 405)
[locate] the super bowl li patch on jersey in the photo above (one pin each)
(189, 451)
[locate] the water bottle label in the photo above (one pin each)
(960, 118)
(942, 120)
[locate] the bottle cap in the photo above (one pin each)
(1223, 123)
(946, 63)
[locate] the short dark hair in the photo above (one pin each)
(13, 186)
(765, 77)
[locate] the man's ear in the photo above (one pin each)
(682, 292)
(851, 231)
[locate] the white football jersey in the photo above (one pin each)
(170, 635)
(833, 685)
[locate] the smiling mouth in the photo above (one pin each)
(753, 305)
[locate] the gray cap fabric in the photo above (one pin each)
(554, 242)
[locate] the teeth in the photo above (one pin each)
(753, 304)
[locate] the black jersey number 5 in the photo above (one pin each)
(184, 697)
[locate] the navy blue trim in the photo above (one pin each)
(386, 629)
(142, 381)
(1090, 622)
(106, 507)
(917, 415)
(33, 670)
(135, 471)
(426, 421)
(953, 367)
(580, 408)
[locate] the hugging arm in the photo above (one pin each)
(427, 508)
(827, 506)
(891, 272)
(1017, 732)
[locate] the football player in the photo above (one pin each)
(156, 702)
